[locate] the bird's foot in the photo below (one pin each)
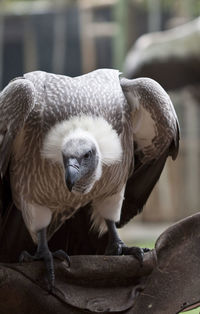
(62, 255)
(119, 248)
(47, 256)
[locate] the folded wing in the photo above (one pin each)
(155, 135)
(16, 102)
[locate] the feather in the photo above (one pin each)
(139, 187)
(16, 102)
(95, 127)
(129, 127)
(156, 136)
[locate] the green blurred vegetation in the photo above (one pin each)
(195, 311)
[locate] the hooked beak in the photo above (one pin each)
(71, 173)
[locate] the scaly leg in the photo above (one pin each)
(43, 253)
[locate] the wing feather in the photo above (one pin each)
(156, 136)
(16, 102)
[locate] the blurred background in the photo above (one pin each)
(158, 39)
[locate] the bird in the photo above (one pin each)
(72, 141)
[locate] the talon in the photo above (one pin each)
(25, 257)
(137, 252)
(47, 257)
(62, 255)
(139, 256)
(43, 253)
(114, 248)
(117, 247)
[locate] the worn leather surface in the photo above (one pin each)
(174, 284)
(168, 282)
(92, 283)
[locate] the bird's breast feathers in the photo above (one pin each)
(42, 178)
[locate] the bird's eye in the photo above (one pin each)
(87, 155)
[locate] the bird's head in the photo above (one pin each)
(81, 160)
(82, 146)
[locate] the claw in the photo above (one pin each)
(62, 255)
(48, 259)
(43, 253)
(137, 252)
(25, 257)
(119, 248)
(114, 248)
(47, 256)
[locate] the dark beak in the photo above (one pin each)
(71, 173)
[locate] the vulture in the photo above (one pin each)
(69, 142)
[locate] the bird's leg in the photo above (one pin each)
(43, 253)
(116, 246)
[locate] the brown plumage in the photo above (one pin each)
(73, 141)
